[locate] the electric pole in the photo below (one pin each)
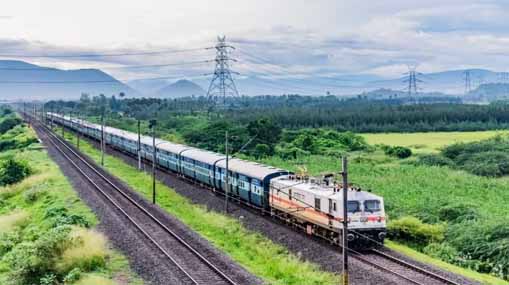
(152, 126)
(222, 84)
(139, 145)
(78, 123)
(102, 137)
(227, 174)
(344, 173)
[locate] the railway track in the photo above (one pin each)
(192, 266)
(411, 273)
(407, 271)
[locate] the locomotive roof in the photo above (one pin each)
(321, 190)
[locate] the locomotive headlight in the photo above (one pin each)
(379, 219)
(364, 219)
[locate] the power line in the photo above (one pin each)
(102, 54)
(93, 81)
(108, 67)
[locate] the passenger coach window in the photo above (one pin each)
(372, 205)
(353, 206)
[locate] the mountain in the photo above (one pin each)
(181, 88)
(22, 80)
(148, 87)
(489, 92)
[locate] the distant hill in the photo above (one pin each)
(22, 80)
(489, 92)
(181, 88)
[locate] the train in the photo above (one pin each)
(313, 204)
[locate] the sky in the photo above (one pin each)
(273, 39)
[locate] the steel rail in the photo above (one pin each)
(414, 267)
(136, 204)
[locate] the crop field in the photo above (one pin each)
(429, 142)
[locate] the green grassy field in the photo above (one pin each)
(256, 253)
(24, 209)
(428, 142)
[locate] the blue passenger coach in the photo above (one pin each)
(248, 181)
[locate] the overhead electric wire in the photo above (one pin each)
(107, 67)
(101, 54)
(93, 81)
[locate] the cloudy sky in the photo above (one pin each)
(283, 38)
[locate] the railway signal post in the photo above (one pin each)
(344, 173)
(152, 126)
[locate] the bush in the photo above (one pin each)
(397, 151)
(9, 123)
(60, 217)
(414, 231)
(12, 171)
(457, 213)
(434, 160)
(34, 262)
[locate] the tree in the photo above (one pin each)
(261, 150)
(265, 132)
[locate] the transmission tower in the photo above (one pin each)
(468, 82)
(412, 81)
(222, 84)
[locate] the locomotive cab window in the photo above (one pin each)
(372, 206)
(353, 206)
(317, 204)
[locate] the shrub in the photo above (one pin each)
(8, 241)
(88, 251)
(9, 123)
(60, 217)
(12, 171)
(457, 213)
(434, 160)
(33, 262)
(73, 276)
(32, 194)
(397, 151)
(414, 231)
(442, 251)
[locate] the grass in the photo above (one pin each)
(253, 251)
(94, 279)
(89, 251)
(483, 278)
(10, 221)
(49, 190)
(428, 142)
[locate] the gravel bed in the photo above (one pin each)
(145, 258)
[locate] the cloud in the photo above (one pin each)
(295, 39)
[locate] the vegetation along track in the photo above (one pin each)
(193, 266)
(403, 272)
